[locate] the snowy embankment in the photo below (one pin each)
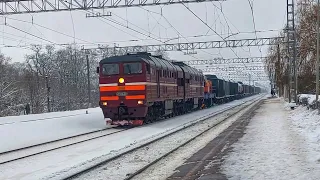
(46, 116)
(307, 124)
(60, 162)
(308, 100)
(21, 131)
(279, 143)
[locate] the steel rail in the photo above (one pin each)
(55, 148)
(131, 176)
(76, 174)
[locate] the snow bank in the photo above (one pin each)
(43, 116)
(26, 130)
(307, 124)
(308, 100)
(271, 148)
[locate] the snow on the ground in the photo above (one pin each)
(167, 165)
(307, 124)
(70, 159)
(130, 163)
(45, 116)
(310, 98)
(22, 131)
(271, 149)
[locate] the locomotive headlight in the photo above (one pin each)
(121, 80)
(104, 103)
(140, 102)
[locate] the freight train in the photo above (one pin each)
(137, 89)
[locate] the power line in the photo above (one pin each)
(254, 23)
(74, 32)
(210, 28)
(174, 28)
(30, 34)
(226, 20)
(49, 29)
(135, 30)
(133, 24)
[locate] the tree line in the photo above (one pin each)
(49, 79)
(306, 38)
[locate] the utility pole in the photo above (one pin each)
(317, 60)
(48, 93)
(291, 35)
(279, 60)
(294, 56)
(68, 87)
(289, 78)
(88, 76)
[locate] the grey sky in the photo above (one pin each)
(269, 14)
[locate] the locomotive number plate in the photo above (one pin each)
(122, 93)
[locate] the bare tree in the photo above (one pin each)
(306, 53)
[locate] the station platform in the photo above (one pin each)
(205, 164)
(264, 143)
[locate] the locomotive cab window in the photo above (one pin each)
(110, 69)
(132, 68)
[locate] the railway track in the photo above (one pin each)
(25, 152)
(21, 153)
(222, 139)
(188, 133)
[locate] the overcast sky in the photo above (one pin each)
(269, 15)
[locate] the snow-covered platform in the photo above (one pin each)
(274, 142)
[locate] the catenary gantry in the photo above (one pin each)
(226, 61)
(115, 51)
(37, 6)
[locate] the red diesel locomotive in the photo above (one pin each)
(141, 88)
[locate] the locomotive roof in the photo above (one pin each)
(187, 68)
(210, 76)
(156, 61)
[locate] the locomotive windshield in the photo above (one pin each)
(110, 69)
(132, 68)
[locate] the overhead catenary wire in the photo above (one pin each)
(30, 34)
(254, 23)
(53, 30)
(209, 28)
(73, 37)
(226, 20)
(136, 31)
(175, 28)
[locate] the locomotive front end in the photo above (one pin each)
(123, 91)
